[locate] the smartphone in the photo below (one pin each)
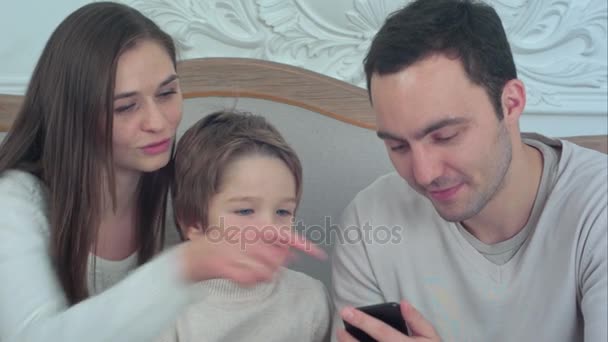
(389, 313)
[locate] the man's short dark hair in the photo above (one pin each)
(468, 30)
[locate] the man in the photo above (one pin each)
(503, 234)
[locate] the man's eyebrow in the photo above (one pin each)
(422, 133)
(168, 80)
(389, 136)
(439, 125)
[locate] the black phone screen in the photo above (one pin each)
(389, 313)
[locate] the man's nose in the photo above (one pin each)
(426, 166)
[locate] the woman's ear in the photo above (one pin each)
(513, 100)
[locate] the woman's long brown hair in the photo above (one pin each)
(63, 135)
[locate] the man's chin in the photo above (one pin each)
(453, 214)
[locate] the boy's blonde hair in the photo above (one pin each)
(208, 147)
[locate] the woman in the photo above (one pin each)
(84, 174)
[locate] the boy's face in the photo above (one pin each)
(256, 192)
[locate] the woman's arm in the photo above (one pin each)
(32, 303)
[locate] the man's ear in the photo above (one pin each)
(513, 100)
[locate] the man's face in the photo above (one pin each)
(442, 135)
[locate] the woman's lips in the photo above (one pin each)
(158, 147)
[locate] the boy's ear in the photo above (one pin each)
(193, 232)
(189, 232)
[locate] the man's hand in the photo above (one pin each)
(419, 327)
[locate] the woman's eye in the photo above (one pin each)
(167, 94)
(244, 212)
(283, 212)
(125, 108)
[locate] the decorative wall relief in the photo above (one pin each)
(559, 45)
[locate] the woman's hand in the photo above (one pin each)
(246, 257)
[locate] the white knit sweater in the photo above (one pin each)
(33, 306)
(293, 307)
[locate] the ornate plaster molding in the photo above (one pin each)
(560, 46)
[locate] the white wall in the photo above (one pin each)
(25, 27)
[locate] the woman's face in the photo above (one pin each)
(147, 108)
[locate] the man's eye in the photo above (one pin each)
(399, 148)
(244, 212)
(445, 138)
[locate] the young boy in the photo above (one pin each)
(236, 179)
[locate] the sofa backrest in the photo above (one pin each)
(328, 122)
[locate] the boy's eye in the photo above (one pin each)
(244, 212)
(283, 212)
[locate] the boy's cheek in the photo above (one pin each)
(241, 223)
(234, 224)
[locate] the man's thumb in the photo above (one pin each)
(416, 323)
